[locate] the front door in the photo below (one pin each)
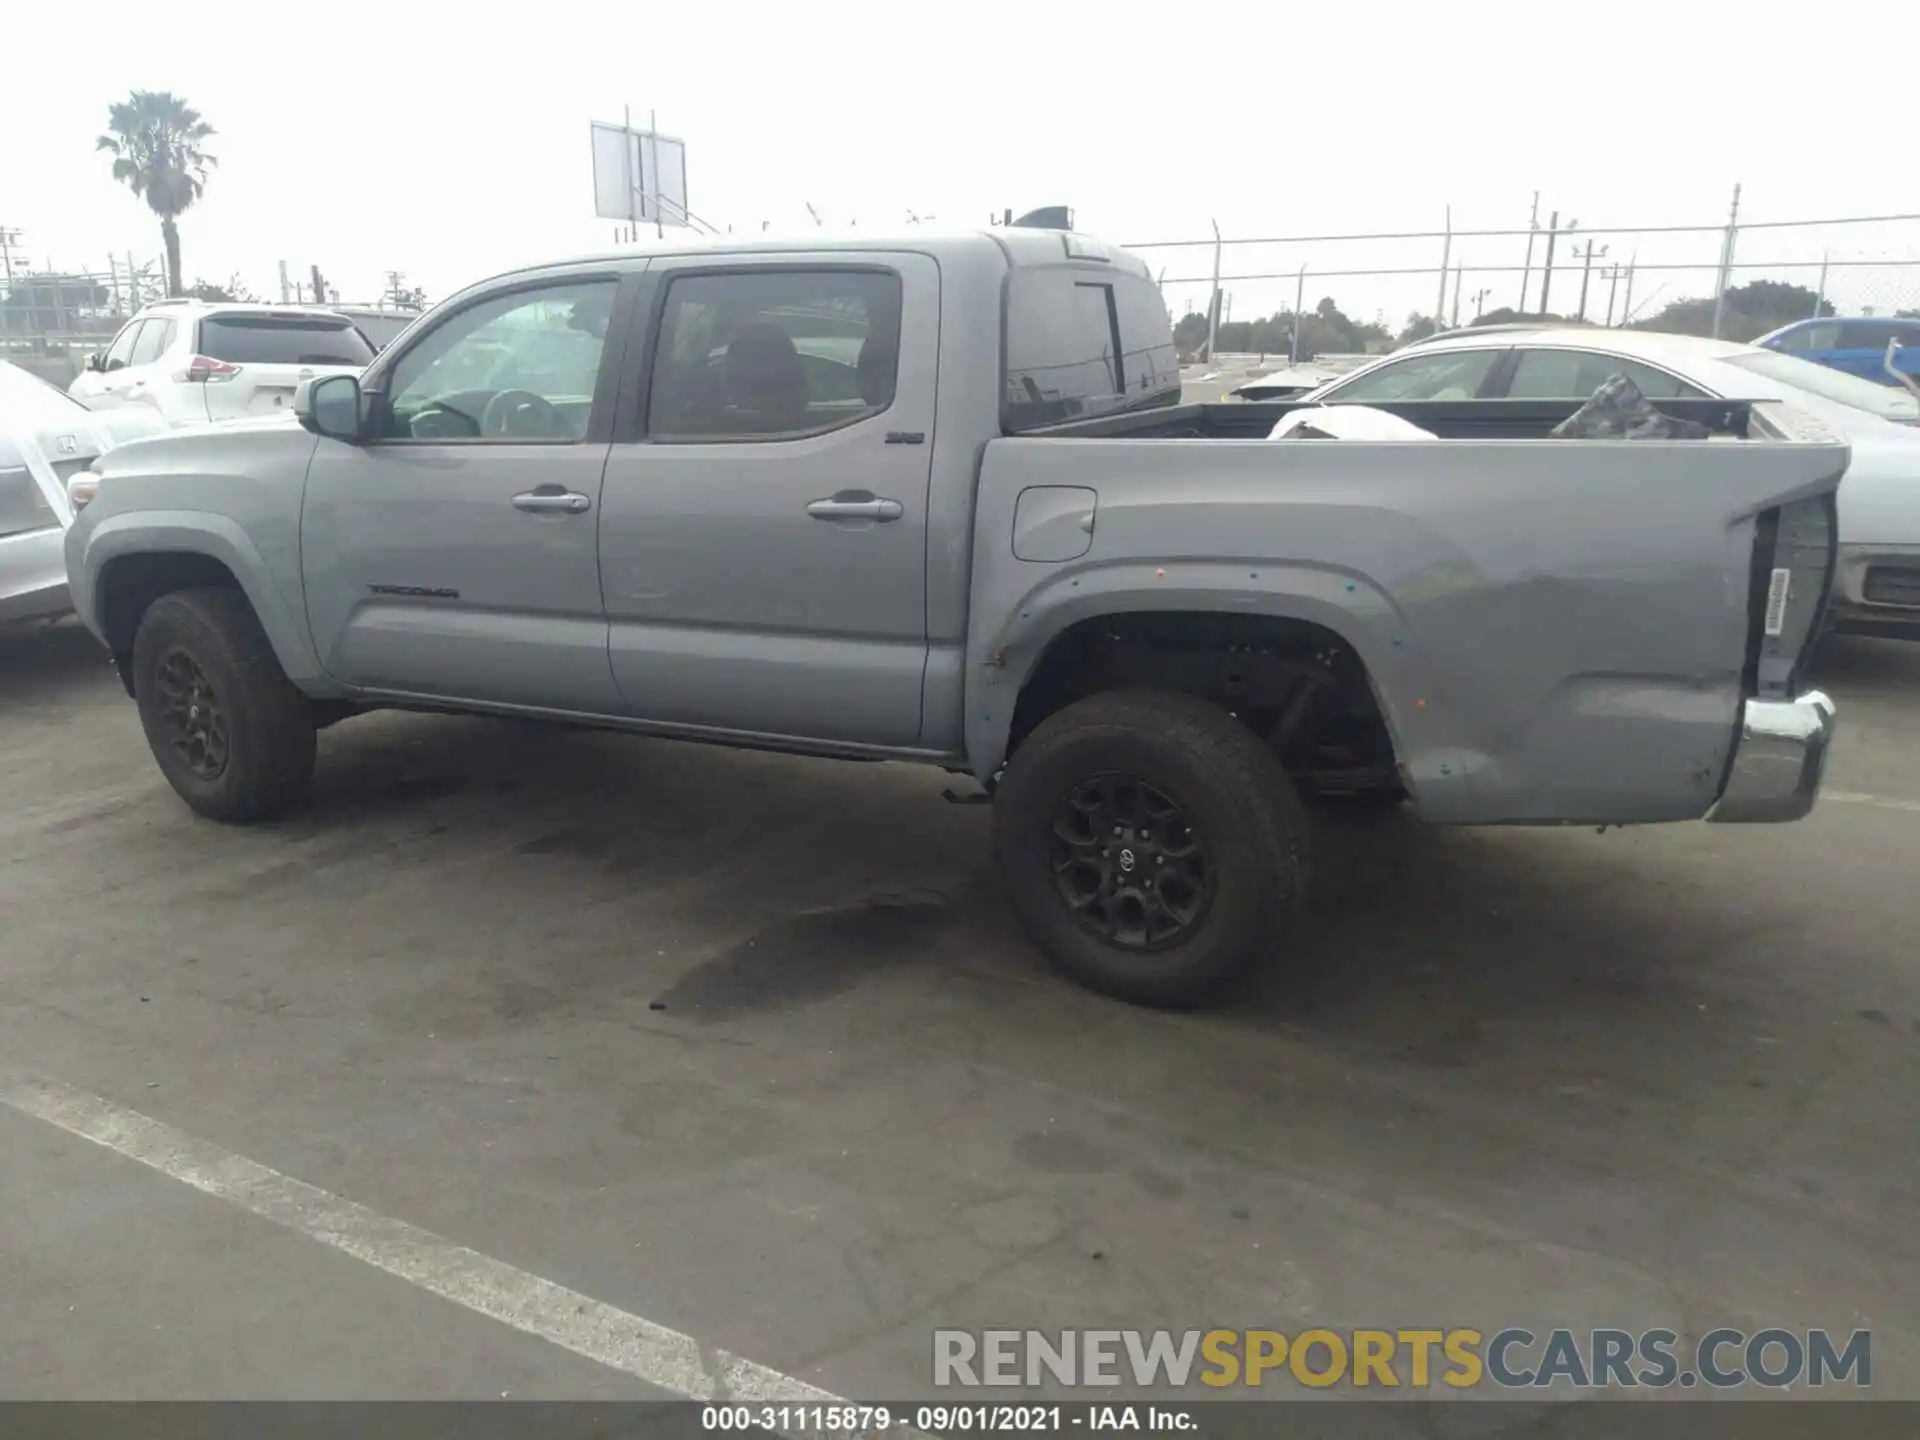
(453, 557)
(763, 532)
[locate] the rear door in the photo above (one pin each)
(763, 537)
(251, 361)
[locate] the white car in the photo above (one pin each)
(46, 439)
(1877, 582)
(191, 362)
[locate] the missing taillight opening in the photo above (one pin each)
(202, 369)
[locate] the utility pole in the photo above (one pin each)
(1480, 302)
(1455, 322)
(1820, 295)
(1299, 296)
(1611, 274)
(1726, 264)
(1626, 301)
(9, 237)
(286, 289)
(1213, 300)
(1554, 232)
(1526, 270)
(1586, 274)
(1446, 253)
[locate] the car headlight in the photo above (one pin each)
(81, 489)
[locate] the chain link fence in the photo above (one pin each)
(1697, 278)
(51, 319)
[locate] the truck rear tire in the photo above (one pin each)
(1152, 845)
(230, 732)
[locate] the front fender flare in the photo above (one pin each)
(193, 532)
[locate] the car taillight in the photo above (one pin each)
(201, 370)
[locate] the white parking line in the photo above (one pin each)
(1878, 802)
(649, 1352)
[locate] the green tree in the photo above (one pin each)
(1750, 311)
(157, 142)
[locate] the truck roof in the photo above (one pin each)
(1020, 245)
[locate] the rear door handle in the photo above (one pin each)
(851, 508)
(552, 502)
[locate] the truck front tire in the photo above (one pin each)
(230, 732)
(1151, 844)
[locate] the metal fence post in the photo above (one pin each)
(1213, 296)
(1526, 267)
(1299, 299)
(1725, 275)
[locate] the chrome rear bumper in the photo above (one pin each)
(1778, 761)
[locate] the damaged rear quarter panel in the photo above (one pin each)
(1556, 629)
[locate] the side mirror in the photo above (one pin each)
(330, 406)
(97, 362)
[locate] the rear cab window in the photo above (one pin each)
(1084, 340)
(243, 339)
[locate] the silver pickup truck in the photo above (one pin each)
(936, 500)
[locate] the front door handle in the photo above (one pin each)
(551, 502)
(856, 507)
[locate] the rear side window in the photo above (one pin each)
(767, 354)
(278, 340)
(1083, 341)
(1869, 335)
(1576, 374)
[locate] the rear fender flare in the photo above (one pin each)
(1000, 663)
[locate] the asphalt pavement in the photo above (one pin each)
(521, 1042)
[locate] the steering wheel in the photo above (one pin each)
(522, 413)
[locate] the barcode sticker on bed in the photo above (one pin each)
(1777, 589)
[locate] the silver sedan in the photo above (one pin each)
(1877, 585)
(45, 439)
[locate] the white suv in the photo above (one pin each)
(192, 361)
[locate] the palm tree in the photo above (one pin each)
(155, 138)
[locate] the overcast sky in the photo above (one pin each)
(450, 141)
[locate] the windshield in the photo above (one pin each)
(1886, 401)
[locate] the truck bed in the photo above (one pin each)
(1448, 419)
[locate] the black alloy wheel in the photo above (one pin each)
(190, 715)
(1130, 864)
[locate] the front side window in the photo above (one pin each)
(1576, 374)
(152, 344)
(520, 366)
(122, 346)
(763, 354)
(1444, 375)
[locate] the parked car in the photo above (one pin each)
(46, 438)
(380, 326)
(191, 361)
(1877, 582)
(1857, 346)
(986, 538)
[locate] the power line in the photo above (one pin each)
(1511, 234)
